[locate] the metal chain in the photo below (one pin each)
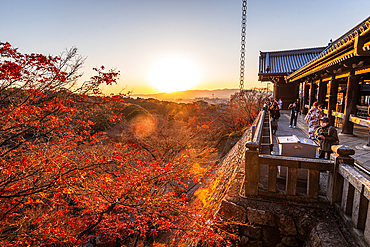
(243, 44)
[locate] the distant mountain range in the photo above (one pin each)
(191, 94)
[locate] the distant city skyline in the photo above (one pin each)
(135, 36)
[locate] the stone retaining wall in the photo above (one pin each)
(259, 222)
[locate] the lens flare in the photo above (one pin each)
(143, 126)
(174, 74)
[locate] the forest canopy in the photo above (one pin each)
(77, 166)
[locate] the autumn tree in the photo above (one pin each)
(61, 182)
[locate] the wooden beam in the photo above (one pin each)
(337, 114)
(359, 121)
(343, 75)
(295, 198)
(356, 178)
(296, 162)
(363, 70)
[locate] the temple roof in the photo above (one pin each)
(339, 50)
(283, 63)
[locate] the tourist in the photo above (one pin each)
(280, 102)
(293, 115)
(267, 104)
(275, 115)
(313, 119)
(327, 136)
(298, 106)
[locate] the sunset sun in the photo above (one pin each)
(174, 74)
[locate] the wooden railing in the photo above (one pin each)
(253, 160)
(257, 137)
(314, 167)
(348, 189)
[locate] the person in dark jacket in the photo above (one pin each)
(327, 136)
(298, 106)
(275, 115)
(293, 114)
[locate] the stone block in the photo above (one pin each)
(255, 244)
(243, 241)
(261, 217)
(231, 211)
(289, 241)
(254, 232)
(270, 236)
(286, 225)
(325, 234)
(304, 225)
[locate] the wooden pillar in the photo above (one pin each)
(300, 95)
(333, 91)
(353, 92)
(306, 95)
(275, 93)
(312, 94)
(322, 92)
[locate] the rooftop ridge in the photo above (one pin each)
(351, 31)
(303, 50)
(339, 43)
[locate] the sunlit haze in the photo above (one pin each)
(174, 74)
(134, 36)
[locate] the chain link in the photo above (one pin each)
(242, 47)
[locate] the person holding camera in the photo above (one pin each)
(327, 136)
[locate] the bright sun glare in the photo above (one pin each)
(174, 74)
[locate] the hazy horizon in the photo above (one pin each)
(160, 45)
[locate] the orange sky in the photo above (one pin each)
(132, 36)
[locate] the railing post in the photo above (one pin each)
(335, 182)
(253, 131)
(251, 169)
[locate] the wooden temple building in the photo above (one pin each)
(336, 76)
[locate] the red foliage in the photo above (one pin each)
(60, 184)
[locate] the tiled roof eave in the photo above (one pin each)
(319, 63)
(273, 74)
(346, 42)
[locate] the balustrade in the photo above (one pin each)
(348, 188)
(349, 191)
(253, 160)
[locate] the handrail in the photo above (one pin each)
(337, 114)
(270, 133)
(359, 121)
(352, 118)
(296, 162)
(258, 134)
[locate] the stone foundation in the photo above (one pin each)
(259, 222)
